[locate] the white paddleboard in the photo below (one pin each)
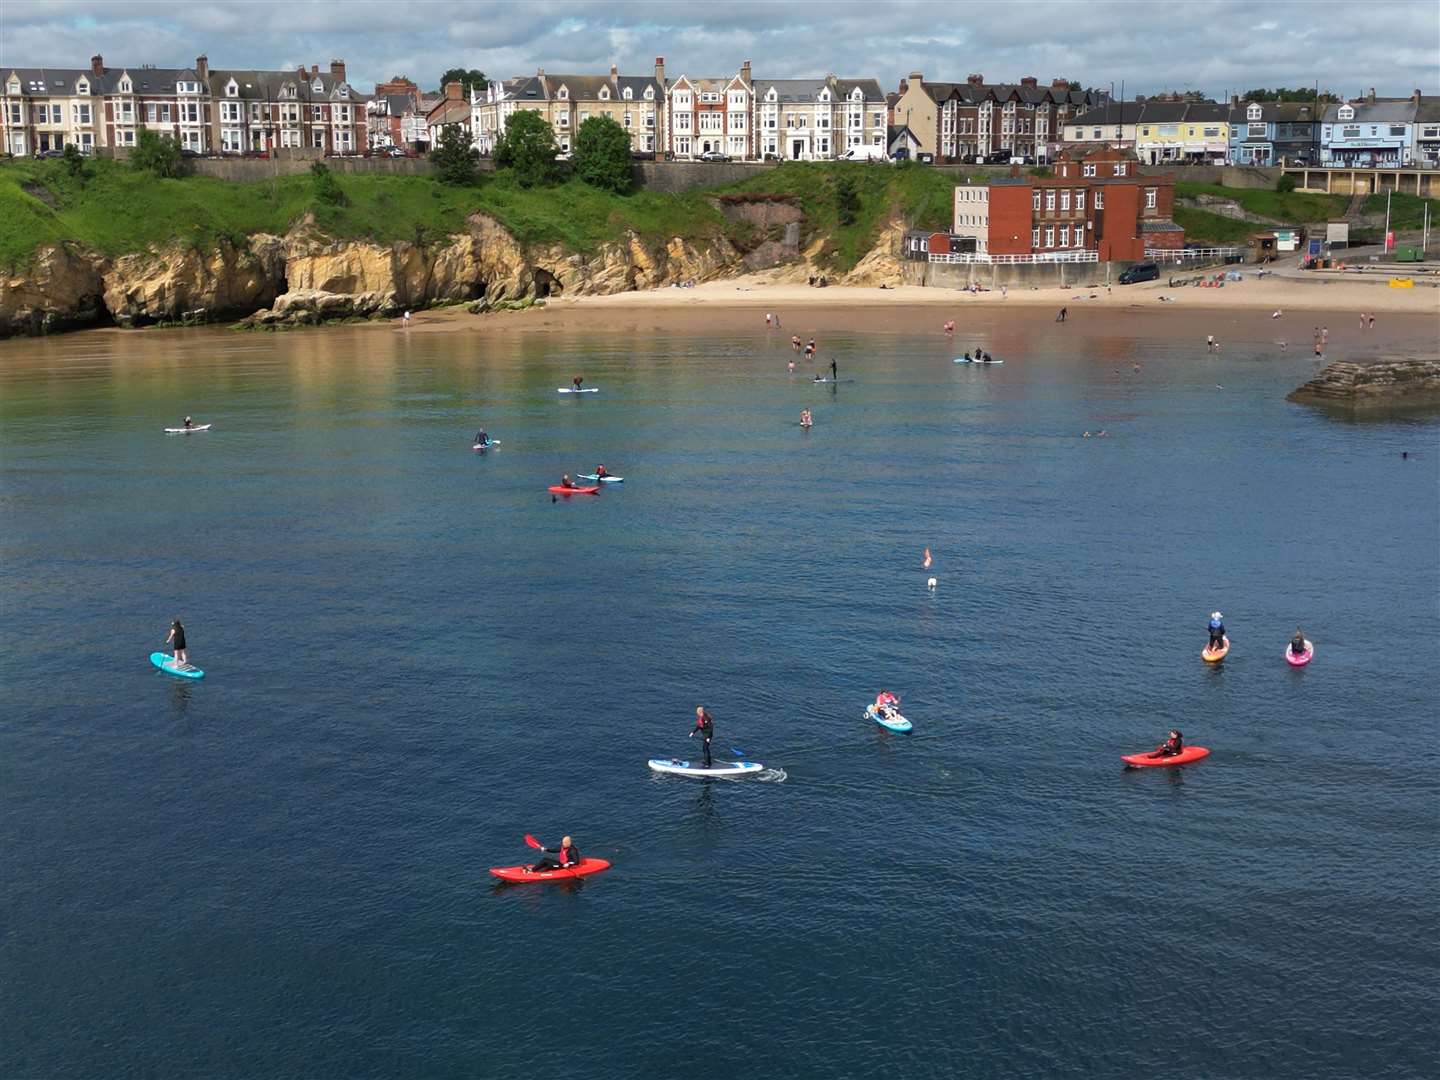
(572, 390)
(893, 722)
(187, 430)
(691, 768)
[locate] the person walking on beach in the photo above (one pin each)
(1362, 320)
(405, 320)
(1372, 322)
(705, 725)
(1324, 335)
(1064, 312)
(768, 319)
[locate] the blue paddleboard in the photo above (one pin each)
(166, 663)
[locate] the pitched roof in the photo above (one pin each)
(1394, 111)
(1286, 112)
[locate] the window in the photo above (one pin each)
(1064, 235)
(1080, 201)
(1099, 198)
(1346, 112)
(1089, 168)
(737, 122)
(231, 90)
(57, 114)
(604, 93)
(627, 94)
(649, 93)
(290, 114)
(231, 142)
(682, 122)
(1120, 168)
(1253, 112)
(1035, 199)
(1255, 129)
(1065, 199)
(584, 115)
(230, 112)
(1034, 238)
(1145, 131)
(1079, 235)
(627, 120)
(682, 146)
(1150, 195)
(564, 93)
(1050, 236)
(1350, 132)
(1050, 200)
(563, 120)
(1397, 129)
(317, 139)
(1096, 134)
(341, 114)
(189, 112)
(81, 113)
(649, 120)
(1208, 133)
(317, 113)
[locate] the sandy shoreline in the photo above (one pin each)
(716, 304)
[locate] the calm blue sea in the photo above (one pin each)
(415, 656)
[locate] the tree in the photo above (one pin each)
(602, 154)
(847, 198)
(1285, 184)
(74, 161)
(455, 157)
(327, 188)
(528, 149)
(1304, 95)
(157, 154)
(470, 80)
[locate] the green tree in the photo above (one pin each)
(1304, 95)
(327, 189)
(847, 199)
(602, 154)
(528, 149)
(74, 161)
(157, 154)
(455, 157)
(470, 80)
(1285, 184)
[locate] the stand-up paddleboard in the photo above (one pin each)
(961, 360)
(1218, 655)
(166, 663)
(1303, 658)
(691, 768)
(485, 445)
(524, 873)
(602, 479)
(1189, 754)
(893, 722)
(556, 489)
(187, 430)
(572, 390)
(987, 361)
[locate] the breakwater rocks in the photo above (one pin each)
(1379, 385)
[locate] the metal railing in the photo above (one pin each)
(1079, 255)
(1181, 255)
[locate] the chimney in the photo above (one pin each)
(1234, 99)
(453, 90)
(337, 70)
(660, 71)
(917, 78)
(1059, 84)
(314, 70)
(1029, 80)
(301, 71)
(97, 65)
(202, 68)
(745, 72)
(1370, 97)
(1415, 97)
(614, 71)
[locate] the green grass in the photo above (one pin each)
(1294, 207)
(1406, 211)
(1203, 226)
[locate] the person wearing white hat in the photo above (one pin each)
(1217, 631)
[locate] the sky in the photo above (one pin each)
(1217, 47)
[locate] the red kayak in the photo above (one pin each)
(524, 873)
(558, 490)
(1189, 754)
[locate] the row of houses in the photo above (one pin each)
(205, 110)
(1369, 132)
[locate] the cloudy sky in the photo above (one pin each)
(1220, 45)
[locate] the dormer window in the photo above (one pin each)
(824, 95)
(772, 96)
(125, 86)
(231, 90)
(317, 86)
(1253, 113)
(628, 93)
(604, 93)
(1347, 112)
(649, 93)
(342, 90)
(564, 93)
(82, 87)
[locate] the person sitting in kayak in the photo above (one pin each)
(1297, 643)
(1217, 631)
(705, 725)
(189, 423)
(577, 380)
(566, 482)
(482, 438)
(176, 637)
(1171, 746)
(818, 378)
(567, 854)
(600, 473)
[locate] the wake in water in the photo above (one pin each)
(771, 776)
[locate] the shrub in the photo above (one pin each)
(157, 154)
(602, 155)
(1285, 185)
(847, 199)
(326, 188)
(527, 149)
(455, 157)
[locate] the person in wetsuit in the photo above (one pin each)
(1217, 631)
(189, 423)
(577, 380)
(566, 482)
(1171, 746)
(705, 725)
(834, 372)
(1297, 643)
(482, 438)
(176, 637)
(600, 472)
(567, 854)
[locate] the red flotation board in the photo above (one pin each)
(524, 873)
(558, 490)
(1189, 754)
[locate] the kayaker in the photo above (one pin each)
(1171, 746)
(567, 854)
(1297, 643)
(577, 380)
(566, 482)
(600, 473)
(705, 725)
(1217, 631)
(886, 703)
(481, 437)
(967, 357)
(189, 423)
(176, 637)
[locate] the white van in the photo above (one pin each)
(865, 153)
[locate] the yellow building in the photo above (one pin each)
(635, 102)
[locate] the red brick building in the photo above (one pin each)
(1096, 203)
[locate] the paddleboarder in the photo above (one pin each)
(1217, 631)
(482, 438)
(567, 854)
(1171, 746)
(176, 637)
(600, 473)
(834, 372)
(705, 725)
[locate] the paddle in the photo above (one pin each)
(534, 843)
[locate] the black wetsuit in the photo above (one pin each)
(1171, 748)
(834, 371)
(705, 725)
(178, 644)
(568, 857)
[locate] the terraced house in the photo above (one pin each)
(1186, 132)
(635, 102)
(1370, 133)
(708, 115)
(976, 120)
(258, 111)
(1273, 132)
(819, 119)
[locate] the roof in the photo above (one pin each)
(446, 111)
(1395, 111)
(1150, 225)
(1282, 112)
(258, 85)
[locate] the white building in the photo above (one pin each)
(818, 119)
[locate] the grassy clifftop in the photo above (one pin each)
(116, 210)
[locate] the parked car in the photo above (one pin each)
(714, 155)
(49, 153)
(925, 157)
(1140, 272)
(865, 153)
(903, 154)
(642, 155)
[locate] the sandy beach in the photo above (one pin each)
(717, 304)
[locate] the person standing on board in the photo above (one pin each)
(1217, 631)
(176, 637)
(705, 725)
(834, 372)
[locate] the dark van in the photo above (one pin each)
(1140, 272)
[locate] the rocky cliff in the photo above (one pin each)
(306, 276)
(1381, 385)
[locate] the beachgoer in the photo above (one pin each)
(1275, 314)
(926, 563)
(769, 318)
(1064, 314)
(567, 854)
(1362, 320)
(1319, 350)
(1324, 335)
(176, 638)
(1217, 631)
(1371, 319)
(777, 322)
(1004, 291)
(967, 356)
(790, 364)
(1210, 343)
(705, 725)
(405, 320)
(1171, 746)
(189, 423)
(805, 420)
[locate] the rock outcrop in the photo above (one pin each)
(183, 284)
(61, 289)
(1380, 385)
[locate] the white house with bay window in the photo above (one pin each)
(818, 119)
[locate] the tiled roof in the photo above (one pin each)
(1395, 111)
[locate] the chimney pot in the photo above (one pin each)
(1029, 80)
(915, 76)
(97, 65)
(337, 70)
(614, 71)
(202, 67)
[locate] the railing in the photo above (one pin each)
(1208, 254)
(1077, 256)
